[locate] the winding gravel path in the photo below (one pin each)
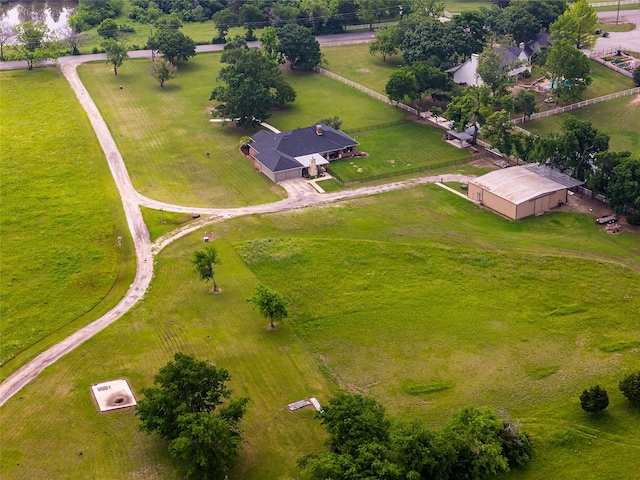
(301, 195)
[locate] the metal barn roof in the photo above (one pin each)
(517, 184)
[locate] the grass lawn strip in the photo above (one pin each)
(398, 148)
(619, 118)
(66, 254)
(421, 299)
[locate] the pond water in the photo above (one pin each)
(53, 14)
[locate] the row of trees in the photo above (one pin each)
(422, 37)
(365, 444)
(596, 399)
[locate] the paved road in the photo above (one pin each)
(327, 40)
(300, 195)
(626, 40)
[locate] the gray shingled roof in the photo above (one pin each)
(277, 151)
(509, 56)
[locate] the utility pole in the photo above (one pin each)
(153, 56)
(618, 14)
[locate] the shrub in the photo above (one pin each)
(630, 388)
(594, 400)
(636, 76)
(634, 219)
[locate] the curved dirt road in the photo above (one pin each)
(300, 193)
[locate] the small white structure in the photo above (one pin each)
(465, 74)
(113, 395)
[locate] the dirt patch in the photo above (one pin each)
(635, 101)
(364, 70)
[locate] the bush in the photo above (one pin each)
(594, 400)
(630, 388)
(636, 76)
(634, 219)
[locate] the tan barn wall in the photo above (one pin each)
(541, 204)
(499, 204)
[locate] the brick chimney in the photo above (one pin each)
(318, 129)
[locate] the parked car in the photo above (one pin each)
(606, 219)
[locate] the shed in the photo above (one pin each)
(518, 192)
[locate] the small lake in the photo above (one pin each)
(53, 14)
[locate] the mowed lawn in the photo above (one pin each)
(389, 295)
(605, 81)
(164, 134)
(358, 65)
(66, 251)
(620, 118)
(394, 149)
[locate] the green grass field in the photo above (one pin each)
(62, 263)
(395, 296)
(357, 64)
(164, 133)
(620, 118)
(456, 6)
(394, 149)
(606, 81)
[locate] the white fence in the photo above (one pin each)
(350, 28)
(584, 103)
(614, 4)
(366, 90)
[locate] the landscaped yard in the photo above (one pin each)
(389, 295)
(66, 250)
(164, 134)
(620, 118)
(398, 148)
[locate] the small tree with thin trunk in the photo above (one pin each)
(594, 400)
(203, 262)
(116, 53)
(6, 35)
(163, 70)
(270, 304)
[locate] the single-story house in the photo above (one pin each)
(518, 192)
(281, 156)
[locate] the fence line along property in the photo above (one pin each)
(614, 4)
(584, 103)
(365, 90)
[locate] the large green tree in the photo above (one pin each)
(224, 20)
(251, 84)
(525, 103)
(630, 388)
(474, 434)
(594, 399)
(108, 28)
(36, 42)
(387, 41)
(573, 148)
(497, 129)
(116, 53)
(298, 45)
(624, 191)
(270, 304)
(163, 70)
(402, 84)
(173, 44)
(493, 73)
(204, 262)
(576, 25)
(470, 108)
(568, 71)
(191, 407)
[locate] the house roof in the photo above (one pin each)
(509, 56)
(278, 151)
(517, 184)
(542, 40)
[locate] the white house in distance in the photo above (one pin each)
(519, 57)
